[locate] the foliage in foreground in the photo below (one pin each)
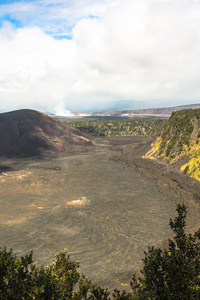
(173, 273)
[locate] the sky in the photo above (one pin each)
(61, 56)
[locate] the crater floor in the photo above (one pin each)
(105, 213)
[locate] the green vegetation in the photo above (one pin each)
(144, 127)
(192, 167)
(21, 279)
(172, 273)
(177, 131)
(175, 272)
(180, 137)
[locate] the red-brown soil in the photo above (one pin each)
(31, 133)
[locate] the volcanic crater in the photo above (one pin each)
(63, 189)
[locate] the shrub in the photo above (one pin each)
(173, 273)
(20, 279)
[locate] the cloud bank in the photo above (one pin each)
(144, 52)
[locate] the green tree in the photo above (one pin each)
(173, 273)
(21, 279)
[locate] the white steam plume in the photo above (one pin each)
(61, 111)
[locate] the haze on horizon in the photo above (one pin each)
(80, 55)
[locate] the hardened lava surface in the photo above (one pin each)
(103, 210)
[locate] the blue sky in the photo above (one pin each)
(75, 55)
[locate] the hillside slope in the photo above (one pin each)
(28, 133)
(178, 143)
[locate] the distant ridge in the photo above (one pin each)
(30, 133)
(128, 113)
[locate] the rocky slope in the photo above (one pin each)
(178, 142)
(28, 133)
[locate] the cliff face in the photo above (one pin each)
(179, 142)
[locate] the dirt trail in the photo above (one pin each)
(104, 210)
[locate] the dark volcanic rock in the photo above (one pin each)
(30, 133)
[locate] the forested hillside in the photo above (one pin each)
(179, 140)
(143, 127)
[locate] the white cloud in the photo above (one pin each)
(135, 50)
(36, 69)
(55, 16)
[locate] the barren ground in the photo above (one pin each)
(104, 205)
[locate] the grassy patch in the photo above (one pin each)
(192, 167)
